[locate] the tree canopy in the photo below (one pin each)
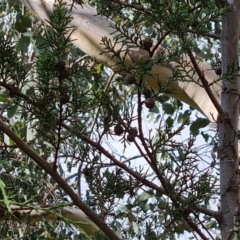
(94, 132)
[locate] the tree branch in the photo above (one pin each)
(90, 28)
(205, 84)
(62, 183)
(50, 213)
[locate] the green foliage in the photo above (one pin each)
(22, 23)
(66, 107)
(197, 124)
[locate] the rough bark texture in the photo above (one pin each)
(228, 124)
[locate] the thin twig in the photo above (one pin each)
(51, 190)
(159, 42)
(97, 110)
(118, 163)
(205, 84)
(208, 212)
(62, 183)
(79, 175)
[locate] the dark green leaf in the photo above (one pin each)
(196, 125)
(23, 44)
(12, 111)
(22, 23)
(169, 122)
(168, 108)
(182, 118)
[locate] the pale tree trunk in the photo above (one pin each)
(228, 125)
(90, 28)
(50, 213)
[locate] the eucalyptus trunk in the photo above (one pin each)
(228, 125)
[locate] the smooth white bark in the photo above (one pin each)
(38, 214)
(89, 30)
